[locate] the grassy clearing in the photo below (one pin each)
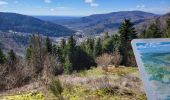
(95, 72)
(94, 84)
(82, 93)
(29, 96)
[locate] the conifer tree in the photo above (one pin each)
(2, 57)
(71, 43)
(12, 60)
(68, 66)
(152, 32)
(89, 46)
(106, 35)
(62, 44)
(116, 42)
(107, 45)
(70, 55)
(127, 33)
(98, 47)
(48, 45)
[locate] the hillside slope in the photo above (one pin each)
(161, 21)
(28, 24)
(99, 23)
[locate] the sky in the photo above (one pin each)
(82, 7)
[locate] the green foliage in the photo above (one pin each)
(71, 44)
(56, 88)
(2, 57)
(28, 54)
(152, 32)
(48, 45)
(12, 59)
(88, 46)
(108, 45)
(106, 35)
(29, 96)
(62, 44)
(68, 66)
(98, 48)
(116, 42)
(78, 57)
(82, 60)
(127, 33)
(69, 55)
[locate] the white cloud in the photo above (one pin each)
(92, 3)
(47, 1)
(3, 2)
(61, 8)
(89, 1)
(51, 9)
(140, 6)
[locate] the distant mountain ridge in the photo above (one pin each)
(99, 23)
(28, 24)
(160, 20)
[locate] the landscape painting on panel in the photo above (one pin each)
(155, 68)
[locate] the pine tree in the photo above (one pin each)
(152, 32)
(71, 43)
(2, 57)
(62, 44)
(48, 45)
(89, 46)
(71, 48)
(70, 55)
(12, 60)
(107, 45)
(127, 33)
(106, 35)
(98, 47)
(116, 42)
(68, 66)
(57, 51)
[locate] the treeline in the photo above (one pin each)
(154, 31)
(44, 59)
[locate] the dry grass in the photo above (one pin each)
(105, 60)
(96, 84)
(118, 84)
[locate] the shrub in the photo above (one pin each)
(117, 59)
(104, 59)
(56, 88)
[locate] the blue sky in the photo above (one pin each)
(82, 7)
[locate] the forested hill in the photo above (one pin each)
(28, 24)
(161, 22)
(109, 22)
